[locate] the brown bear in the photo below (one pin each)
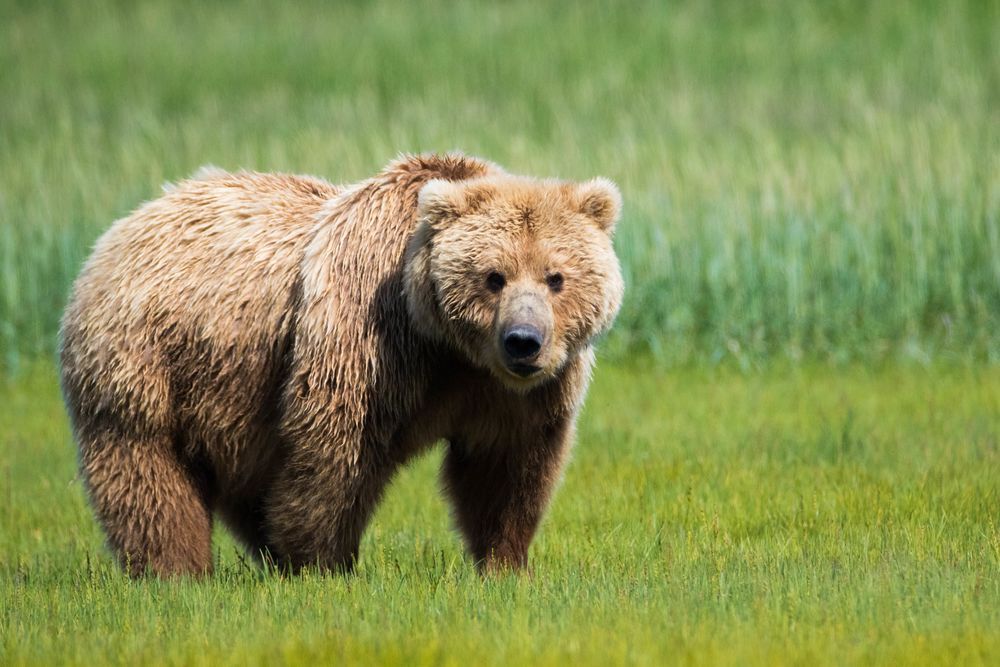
(272, 348)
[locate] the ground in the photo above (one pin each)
(817, 515)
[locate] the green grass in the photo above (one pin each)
(802, 180)
(815, 517)
(812, 202)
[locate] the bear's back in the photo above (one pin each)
(189, 297)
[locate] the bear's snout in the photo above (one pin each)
(522, 343)
(524, 325)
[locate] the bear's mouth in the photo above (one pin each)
(523, 370)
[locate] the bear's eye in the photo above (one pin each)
(555, 282)
(495, 281)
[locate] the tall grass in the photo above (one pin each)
(801, 179)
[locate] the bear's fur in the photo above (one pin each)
(273, 347)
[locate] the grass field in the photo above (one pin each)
(811, 517)
(791, 453)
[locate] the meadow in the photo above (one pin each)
(791, 452)
(806, 517)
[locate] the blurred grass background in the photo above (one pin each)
(802, 180)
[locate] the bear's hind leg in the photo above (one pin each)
(154, 509)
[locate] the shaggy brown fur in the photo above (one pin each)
(273, 347)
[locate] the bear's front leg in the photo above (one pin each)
(500, 494)
(320, 505)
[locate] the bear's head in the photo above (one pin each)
(517, 274)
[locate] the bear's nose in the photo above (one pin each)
(522, 342)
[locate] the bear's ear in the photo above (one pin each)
(440, 201)
(600, 200)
